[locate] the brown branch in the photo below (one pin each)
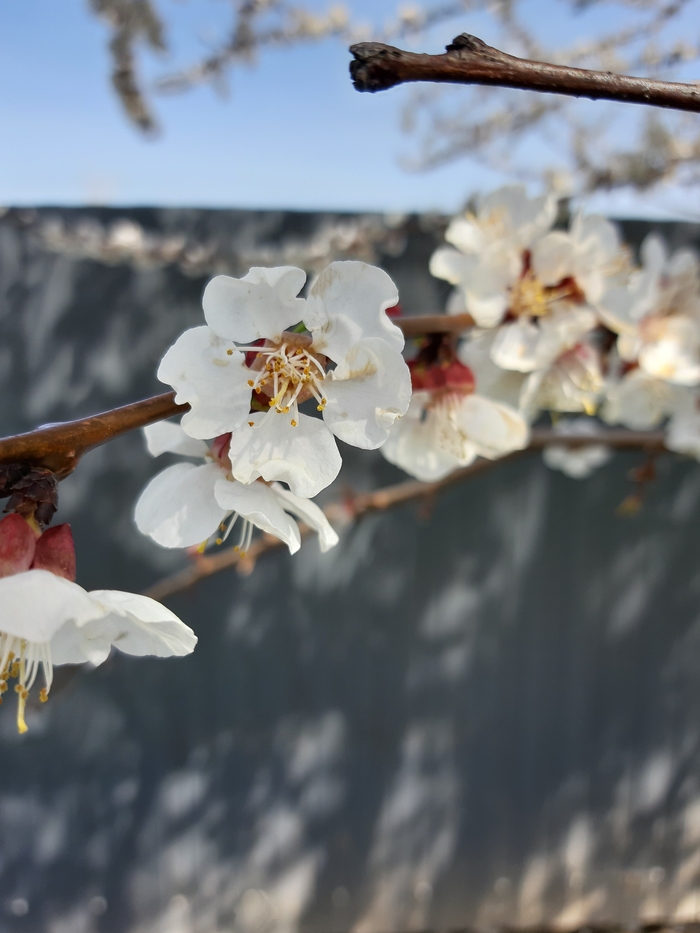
(356, 507)
(468, 60)
(58, 447)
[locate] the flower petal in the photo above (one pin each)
(36, 603)
(348, 303)
(178, 507)
(638, 401)
(368, 390)
(426, 445)
(310, 514)
(261, 304)
(258, 504)
(210, 374)
(495, 429)
(167, 437)
(305, 457)
(137, 625)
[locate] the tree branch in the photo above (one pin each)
(58, 447)
(468, 60)
(355, 507)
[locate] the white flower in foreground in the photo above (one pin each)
(186, 505)
(576, 462)
(657, 315)
(447, 426)
(46, 619)
(348, 362)
(487, 260)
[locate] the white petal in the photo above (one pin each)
(516, 346)
(310, 514)
(492, 381)
(451, 265)
(494, 428)
(576, 463)
(210, 374)
(68, 646)
(553, 257)
(683, 433)
(674, 352)
(305, 457)
(261, 304)
(35, 604)
(368, 390)
(136, 625)
(421, 446)
(638, 401)
(178, 507)
(466, 234)
(167, 437)
(348, 303)
(259, 504)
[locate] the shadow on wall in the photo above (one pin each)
(485, 713)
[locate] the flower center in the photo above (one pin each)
(530, 298)
(20, 660)
(288, 373)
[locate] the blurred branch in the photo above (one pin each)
(353, 508)
(468, 60)
(131, 21)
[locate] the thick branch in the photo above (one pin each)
(58, 447)
(355, 507)
(468, 60)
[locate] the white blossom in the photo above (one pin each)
(348, 360)
(186, 504)
(657, 314)
(638, 401)
(444, 430)
(487, 260)
(47, 619)
(576, 462)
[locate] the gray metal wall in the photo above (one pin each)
(486, 712)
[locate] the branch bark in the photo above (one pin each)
(468, 60)
(59, 447)
(353, 508)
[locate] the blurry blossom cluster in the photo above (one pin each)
(565, 324)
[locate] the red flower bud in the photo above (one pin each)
(55, 552)
(17, 545)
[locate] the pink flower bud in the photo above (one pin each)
(17, 545)
(55, 552)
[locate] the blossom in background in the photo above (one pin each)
(46, 619)
(639, 401)
(542, 304)
(683, 429)
(657, 314)
(576, 462)
(188, 504)
(263, 344)
(485, 260)
(447, 425)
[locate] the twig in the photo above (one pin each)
(361, 504)
(468, 60)
(58, 447)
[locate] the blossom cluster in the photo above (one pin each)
(565, 325)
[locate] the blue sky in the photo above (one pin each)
(292, 133)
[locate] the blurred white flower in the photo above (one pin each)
(657, 314)
(638, 401)
(683, 430)
(573, 382)
(488, 259)
(248, 347)
(576, 462)
(447, 426)
(46, 619)
(185, 505)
